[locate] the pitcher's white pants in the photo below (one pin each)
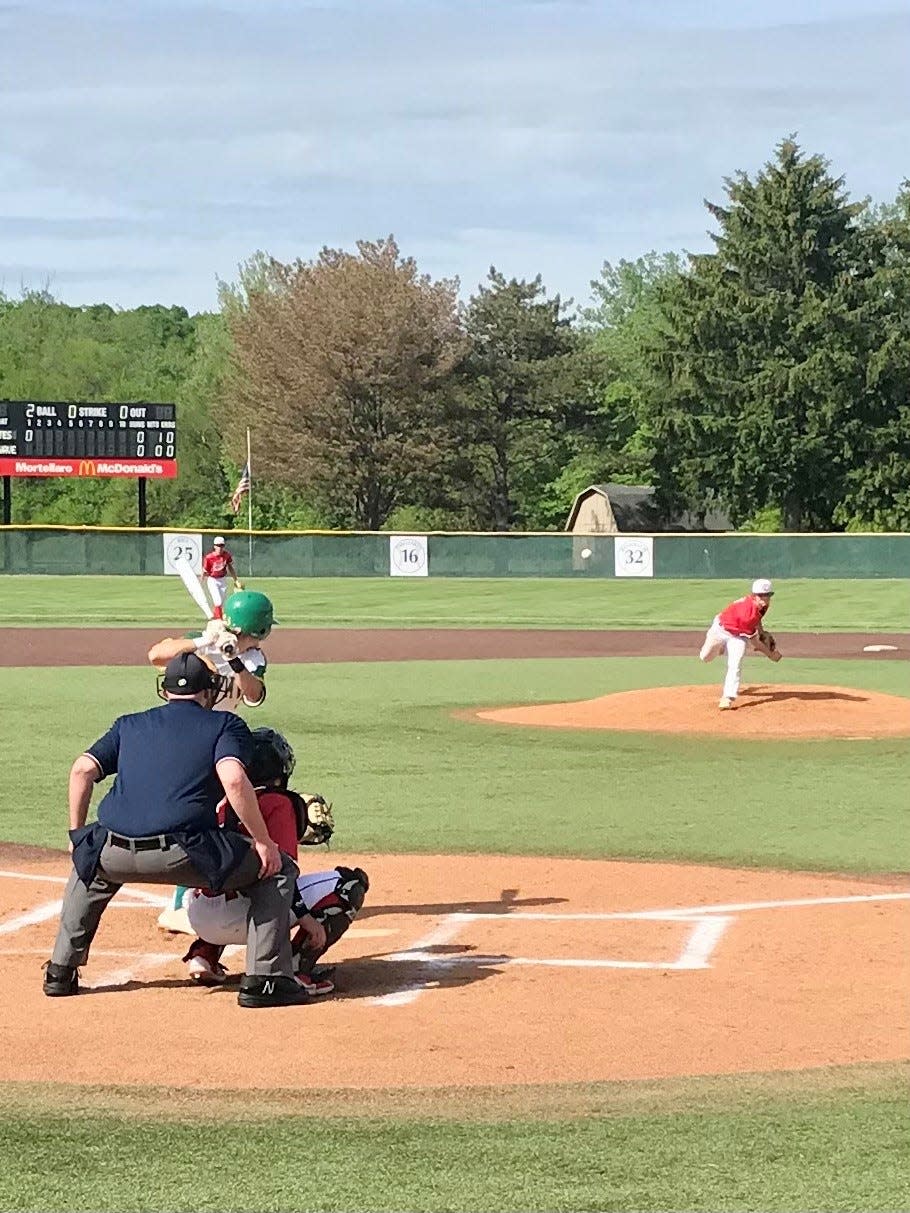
(221, 920)
(719, 640)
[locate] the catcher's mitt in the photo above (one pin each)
(315, 823)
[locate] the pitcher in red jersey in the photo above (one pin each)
(737, 629)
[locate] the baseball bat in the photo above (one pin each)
(193, 586)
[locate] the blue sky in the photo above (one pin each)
(149, 146)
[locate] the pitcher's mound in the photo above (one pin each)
(760, 712)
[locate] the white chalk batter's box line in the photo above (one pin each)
(701, 942)
(708, 925)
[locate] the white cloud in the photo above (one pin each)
(168, 139)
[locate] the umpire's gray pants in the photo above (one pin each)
(268, 940)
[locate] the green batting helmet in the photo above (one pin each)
(249, 612)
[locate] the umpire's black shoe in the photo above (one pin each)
(271, 992)
(60, 980)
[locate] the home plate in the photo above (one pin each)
(879, 648)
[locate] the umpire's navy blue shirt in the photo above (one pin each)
(164, 760)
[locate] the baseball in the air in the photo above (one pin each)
(585, 553)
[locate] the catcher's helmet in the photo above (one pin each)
(249, 612)
(273, 758)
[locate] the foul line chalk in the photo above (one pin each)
(672, 912)
(50, 909)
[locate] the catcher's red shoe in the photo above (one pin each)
(203, 963)
(316, 987)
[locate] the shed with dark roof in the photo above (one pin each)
(629, 509)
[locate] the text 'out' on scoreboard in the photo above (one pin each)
(132, 439)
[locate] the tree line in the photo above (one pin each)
(768, 378)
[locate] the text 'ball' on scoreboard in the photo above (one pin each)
(44, 438)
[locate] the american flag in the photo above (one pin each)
(244, 484)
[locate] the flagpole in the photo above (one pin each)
(249, 501)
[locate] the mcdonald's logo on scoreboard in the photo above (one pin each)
(153, 469)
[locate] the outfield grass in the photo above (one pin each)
(405, 775)
(800, 605)
(817, 1151)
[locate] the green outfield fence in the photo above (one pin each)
(88, 550)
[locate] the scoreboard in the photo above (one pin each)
(41, 438)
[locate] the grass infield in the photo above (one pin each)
(405, 775)
(391, 602)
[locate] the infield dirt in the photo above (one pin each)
(553, 971)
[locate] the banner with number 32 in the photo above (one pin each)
(633, 556)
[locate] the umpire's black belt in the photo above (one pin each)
(156, 842)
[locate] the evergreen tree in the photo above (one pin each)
(877, 493)
(518, 385)
(758, 378)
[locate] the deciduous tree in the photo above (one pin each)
(340, 368)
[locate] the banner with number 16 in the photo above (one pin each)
(408, 556)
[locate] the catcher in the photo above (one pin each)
(738, 629)
(326, 902)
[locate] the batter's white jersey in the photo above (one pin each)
(253, 659)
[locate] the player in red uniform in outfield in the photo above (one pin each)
(217, 566)
(737, 629)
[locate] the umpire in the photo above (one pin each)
(157, 825)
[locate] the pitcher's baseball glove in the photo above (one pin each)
(768, 645)
(315, 823)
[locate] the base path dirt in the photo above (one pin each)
(128, 646)
(783, 712)
(467, 971)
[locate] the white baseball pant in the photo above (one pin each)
(217, 587)
(719, 640)
(222, 919)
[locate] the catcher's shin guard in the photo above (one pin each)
(336, 911)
